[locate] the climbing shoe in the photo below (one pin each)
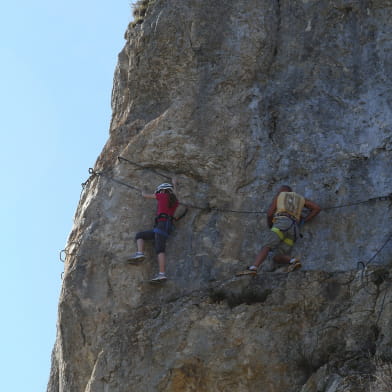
(294, 265)
(136, 257)
(160, 278)
(248, 271)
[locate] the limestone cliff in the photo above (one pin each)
(235, 98)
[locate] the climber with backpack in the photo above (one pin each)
(167, 203)
(284, 217)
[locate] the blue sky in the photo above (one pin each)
(56, 71)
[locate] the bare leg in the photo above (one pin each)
(161, 262)
(140, 245)
(282, 259)
(292, 262)
(261, 256)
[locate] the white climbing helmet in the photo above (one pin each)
(164, 186)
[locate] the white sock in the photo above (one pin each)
(293, 260)
(253, 268)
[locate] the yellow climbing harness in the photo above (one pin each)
(287, 241)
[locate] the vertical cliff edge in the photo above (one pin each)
(235, 98)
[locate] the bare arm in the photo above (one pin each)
(175, 184)
(271, 211)
(148, 195)
(314, 209)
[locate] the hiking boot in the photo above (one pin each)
(248, 271)
(137, 257)
(295, 265)
(161, 277)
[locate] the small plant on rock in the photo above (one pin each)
(139, 10)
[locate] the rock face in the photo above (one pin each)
(236, 98)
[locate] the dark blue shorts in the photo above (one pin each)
(159, 234)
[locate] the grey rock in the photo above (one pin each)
(236, 98)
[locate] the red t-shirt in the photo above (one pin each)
(163, 204)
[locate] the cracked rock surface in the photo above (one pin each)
(236, 98)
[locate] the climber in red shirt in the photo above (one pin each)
(165, 194)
